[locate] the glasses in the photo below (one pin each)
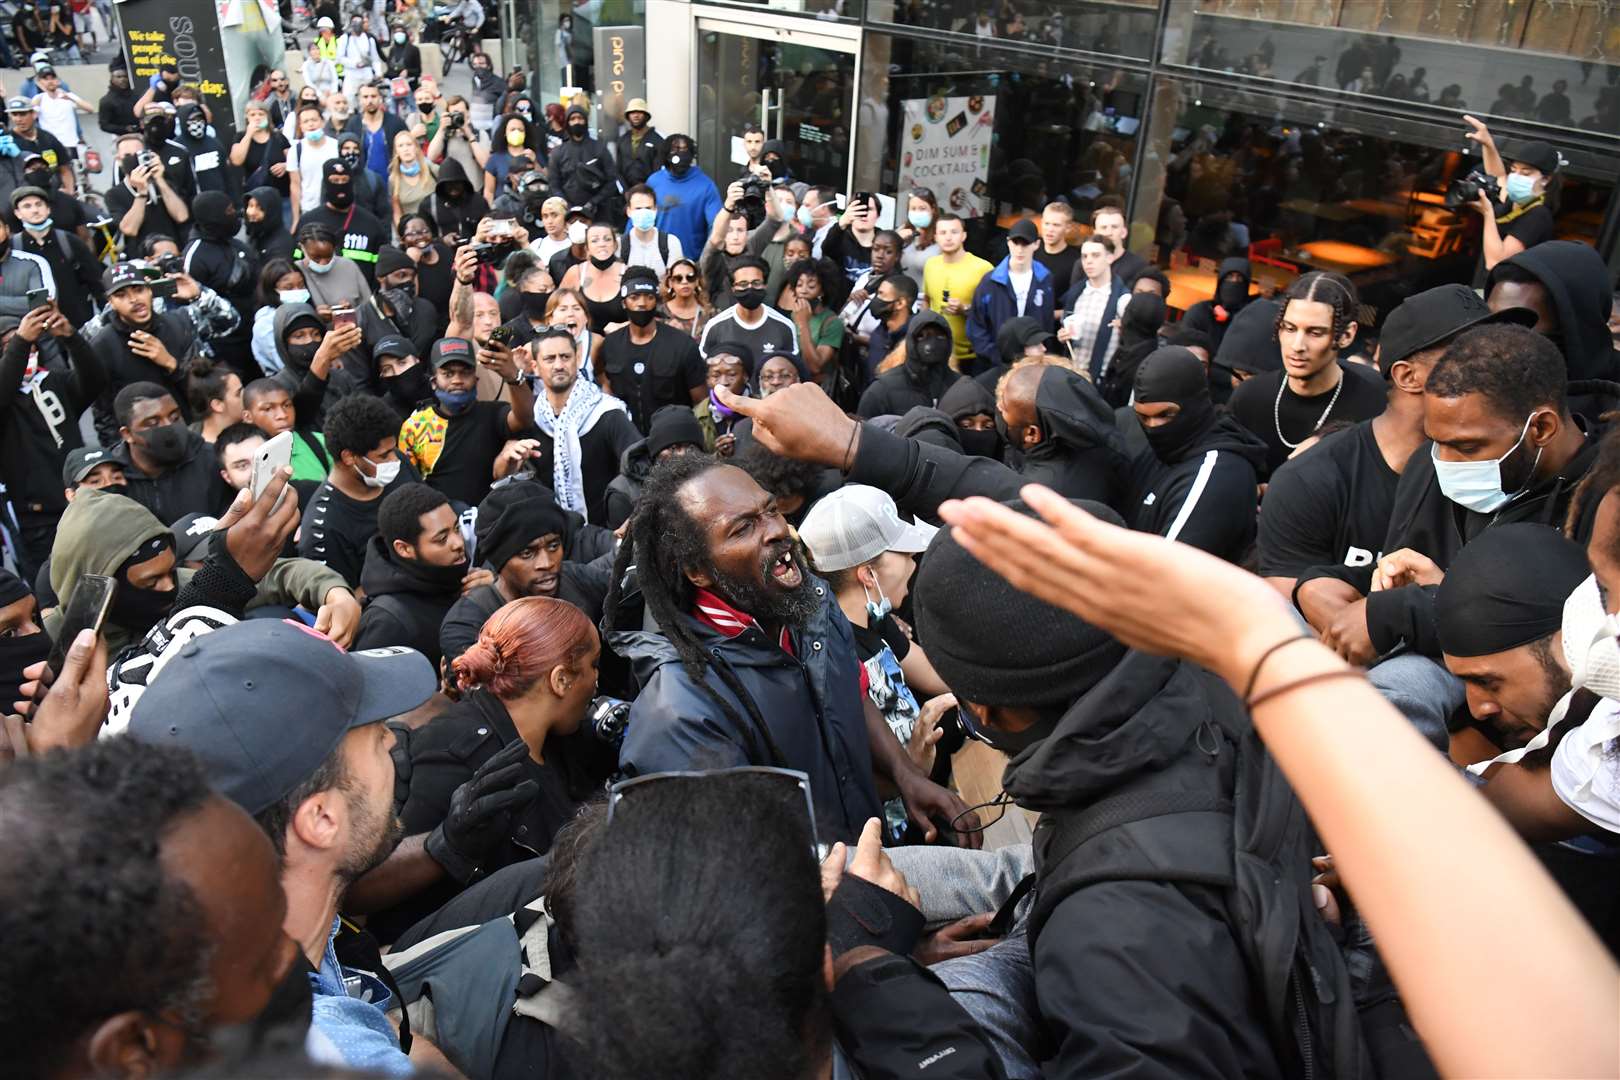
(683, 279)
(760, 284)
(789, 785)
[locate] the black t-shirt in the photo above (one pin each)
(44, 144)
(436, 282)
(647, 377)
(561, 263)
(1534, 226)
(1062, 265)
(157, 220)
(471, 443)
(260, 156)
(1328, 507)
(1257, 408)
(870, 639)
(336, 529)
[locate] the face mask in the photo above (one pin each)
(1231, 294)
(1478, 485)
(534, 304)
(320, 268)
(387, 473)
(410, 168)
(301, 356)
(410, 385)
(1010, 743)
(602, 264)
(40, 178)
(455, 402)
(399, 39)
(881, 309)
(643, 219)
(138, 609)
(919, 219)
(406, 289)
(351, 159)
(1520, 189)
(514, 139)
(196, 129)
(807, 217)
(880, 607)
(773, 165)
(576, 131)
(750, 299)
(17, 653)
(1171, 442)
(979, 443)
(576, 233)
(932, 350)
(40, 226)
(425, 107)
(641, 318)
(293, 296)
(164, 444)
(679, 164)
(339, 196)
(316, 137)
(159, 129)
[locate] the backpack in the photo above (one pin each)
(663, 247)
(1297, 967)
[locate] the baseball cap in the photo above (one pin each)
(19, 104)
(123, 275)
(1538, 155)
(639, 279)
(324, 23)
(393, 345)
(79, 463)
(579, 211)
(1430, 317)
(856, 524)
(451, 350)
(1023, 229)
(190, 533)
(637, 105)
(265, 701)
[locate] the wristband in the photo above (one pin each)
(861, 913)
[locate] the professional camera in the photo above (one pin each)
(1466, 191)
(494, 252)
(171, 264)
(453, 120)
(608, 717)
(752, 204)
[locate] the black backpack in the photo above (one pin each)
(1292, 956)
(663, 247)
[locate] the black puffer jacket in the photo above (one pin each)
(405, 602)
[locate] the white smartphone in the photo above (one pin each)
(275, 453)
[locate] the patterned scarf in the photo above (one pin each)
(585, 405)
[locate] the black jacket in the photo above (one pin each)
(116, 112)
(585, 585)
(405, 602)
(269, 237)
(636, 164)
(460, 218)
(1205, 496)
(1178, 999)
(194, 486)
(39, 421)
(1080, 455)
(584, 174)
(1578, 281)
(123, 367)
(1202, 315)
(1428, 522)
(623, 490)
(76, 271)
(899, 390)
(404, 60)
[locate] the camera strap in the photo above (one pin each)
(1521, 209)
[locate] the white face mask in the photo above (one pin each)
(387, 473)
(879, 607)
(1591, 638)
(293, 296)
(1477, 485)
(576, 232)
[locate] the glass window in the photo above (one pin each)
(556, 39)
(1111, 27)
(994, 134)
(1301, 186)
(828, 10)
(1487, 57)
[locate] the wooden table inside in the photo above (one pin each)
(1189, 286)
(1348, 259)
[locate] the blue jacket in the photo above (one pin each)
(1105, 332)
(813, 707)
(994, 302)
(686, 206)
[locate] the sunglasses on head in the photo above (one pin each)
(791, 786)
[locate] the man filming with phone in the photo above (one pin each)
(145, 202)
(139, 345)
(849, 242)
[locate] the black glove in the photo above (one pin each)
(861, 913)
(480, 814)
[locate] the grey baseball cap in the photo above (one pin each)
(856, 524)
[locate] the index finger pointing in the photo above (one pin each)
(748, 406)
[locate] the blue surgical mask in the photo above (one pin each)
(410, 168)
(1477, 485)
(1520, 188)
(807, 217)
(920, 219)
(643, 219)
(455, 402)
(879, 607)
(320, 268)
(41, 226)
(293, 296)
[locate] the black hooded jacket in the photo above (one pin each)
(1138, 336)
(406, 602)
(1080, 455)
(582, 172)
(969, 398)
(1576, 277)
(1179, 1000)
(217, 259)
(902, 389)
(123, 366)
(1428, 522)
(269, 237)
(460, 218)
(210, 163)
(1203, 316)
(623, 490)
(1206, 495)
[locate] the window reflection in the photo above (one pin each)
(1120, 27)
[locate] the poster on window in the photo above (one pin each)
(945, 147)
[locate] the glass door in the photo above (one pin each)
(797, 86)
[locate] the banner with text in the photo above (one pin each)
(621, 71)
(945, 147)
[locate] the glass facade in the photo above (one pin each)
(554, 38)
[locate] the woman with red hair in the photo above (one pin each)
(492, 780)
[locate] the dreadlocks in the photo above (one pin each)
(1325, 287)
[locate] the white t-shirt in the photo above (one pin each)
(547, 246)
(646, 254)
(1586, 767)
(1020, 284)
(56, 115)
(311, 160)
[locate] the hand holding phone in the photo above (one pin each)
(38, 298)
(86, 610)
(344, 316)
(274, 454)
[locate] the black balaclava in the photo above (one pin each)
(1174, 374)
(300, 357)
(41, 177)
(337, 196)
(968, 397)
(1232, 295)
(18, 651)
(1142, 319)
(193, 122)
(139, 609)
(215, 215)
(1506, 588)
(157, 126)
(576, 128)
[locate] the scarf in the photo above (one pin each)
(585, 405)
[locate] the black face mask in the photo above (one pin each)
(301, 356)
(446, 577)
(40, 178)
(1172, 441)
(337, 196)
(352, 160)
(750, 299)
(774, 164)
(1010, 743)
(1231, 294)
(139, 609)
(410, 385)
(164, 444)
(576, 131)
(602, 264)
(679, 164)
(932, 350)
(641, 318)
(17, 653)
(979, 443)
(455, 193)
(258, 230)
(158, 129)
(534, 304)
(408, 288)
(881, 309)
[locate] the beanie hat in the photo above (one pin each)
(511, 517)
(390, 259)
(995, 645)
(671, 426)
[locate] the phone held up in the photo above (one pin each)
(86, 609)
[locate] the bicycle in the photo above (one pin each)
(455, 41)
(105, 239)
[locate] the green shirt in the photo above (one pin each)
(306, 464)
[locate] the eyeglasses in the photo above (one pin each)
(789, 785)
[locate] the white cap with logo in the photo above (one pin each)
(856, 524)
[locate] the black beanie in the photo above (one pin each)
(671, 426)
(511, 517)
(12, 588)
(391, 258)
(995, 645)
(1506, 588)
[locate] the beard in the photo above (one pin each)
(376, 834)
(770, 603)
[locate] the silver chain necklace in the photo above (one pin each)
(1276, 412)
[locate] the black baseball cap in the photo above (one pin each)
(191, 533)
(122, 276)
(80, 461)
(1427, 318)
(452, 350)
(1538, 155)
(265, 701)
(393, 345)
(1023, 229)
(639, 279)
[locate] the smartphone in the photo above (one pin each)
(271, 456)
(87, 608)
(501, 227)
(868, 200)
(502, 335)
(341, 317)
(38, 298)
(164, 287)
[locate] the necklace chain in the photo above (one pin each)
(1276, 412)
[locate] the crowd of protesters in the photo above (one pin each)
(550, 601)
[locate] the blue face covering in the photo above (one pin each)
(320, 268)
(807, 217)
(1520, 188)
(644, 218)
(1477, 485)
(410, 168)
(879, 607)
(920, 219)
(455, 402)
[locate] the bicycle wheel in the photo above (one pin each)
(454, 49)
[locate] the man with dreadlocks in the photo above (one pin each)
(746, 658)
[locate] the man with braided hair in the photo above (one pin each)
(744, 657)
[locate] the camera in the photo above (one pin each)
(752, 204)
(453, 120)
(1467, 190)
(492, 253)
(609, 718)
(171, 264)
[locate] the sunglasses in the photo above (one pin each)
(683, 278)
(790, 786)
